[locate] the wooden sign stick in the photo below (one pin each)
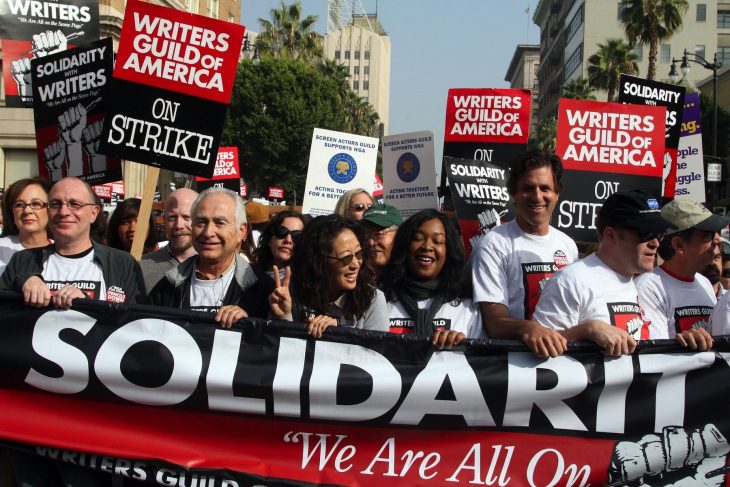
(145, 208)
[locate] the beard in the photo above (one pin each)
(178, 245)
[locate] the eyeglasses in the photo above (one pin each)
(380, 233)
(281, 232)
(361, 207)
(34, 205)
(72, 205)
(647, 236)
(347, 260)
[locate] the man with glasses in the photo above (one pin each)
(511, 264)
(381, 223)
(595, 298)
(176, 214)
(73, 266)
(218, 279)
(676, 298)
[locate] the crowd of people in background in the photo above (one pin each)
(658, 272)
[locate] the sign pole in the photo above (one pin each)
(145, 208)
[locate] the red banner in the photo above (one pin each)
(226, 165)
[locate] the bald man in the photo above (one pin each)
(178, 231)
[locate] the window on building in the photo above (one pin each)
(700, 50)
(639, 51)
(355, 85)
(357, 54)
(366, 70)
(701, 12)
(347, 54)
(367, 54)
(337, 55)
(723, 55)
(573, 61)
(665, 53)
(366, 85)
(574, 24)
(723, 19)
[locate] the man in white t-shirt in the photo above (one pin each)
(73, 266)
(513, 261)
(595, 298)
(676, 298)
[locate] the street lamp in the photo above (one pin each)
(247, 47)
(712, 66)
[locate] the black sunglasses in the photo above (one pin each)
(347, 260)
(281, 232)
(646, 236)
(361, 206)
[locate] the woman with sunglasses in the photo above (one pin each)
(25, 213)
(329, 283)
(427, 282)
(353, 204)
(278, 240)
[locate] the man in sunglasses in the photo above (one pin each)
(73, 266)
(179, 248)
(381, 223)
(677, 299)
(218, 279)
(595, 298)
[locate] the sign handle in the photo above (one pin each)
(145, 208)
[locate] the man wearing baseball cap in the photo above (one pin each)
(676, 298)
(380, 223)
(595, 298)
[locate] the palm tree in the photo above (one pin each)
(288, 35)
(339, 74)
(544, 136)
(651, 22)
(362, 119)
(613, 57)
(578, 89)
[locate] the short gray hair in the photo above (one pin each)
(238, 201)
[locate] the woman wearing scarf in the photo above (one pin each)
(427, 283)
(330, 286)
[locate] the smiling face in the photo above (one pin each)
(71, 226)
(282, 249)
(358, 206)
(28, 220)
(343, 277)
(215, 234)
(535, 200)
(178, 223)
(427, 250)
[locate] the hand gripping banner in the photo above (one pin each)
(167, 398)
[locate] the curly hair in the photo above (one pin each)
(310, 267)
(262, 256)
(129, 208)
(11, 196)
(534, 159)
(455, 278)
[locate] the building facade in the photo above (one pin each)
(17, 131)
(570, 31)
(522, 74)
(366, 54)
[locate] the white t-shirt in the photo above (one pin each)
(463, 317)
(720, 319)
(508, 261)
(208, 294)
(83, 272)
(672, 304)
(8, 246)
(590, 290)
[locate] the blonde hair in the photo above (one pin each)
(346, 200)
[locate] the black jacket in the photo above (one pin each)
(122, 274)
(249, 288)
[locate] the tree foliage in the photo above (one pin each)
(288, 35)
(544, 136)
(613, 57)
(723, 127)
(651, 22)
(578, 89)
(274, 108)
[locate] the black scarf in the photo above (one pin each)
(410, 292)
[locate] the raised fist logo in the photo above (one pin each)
(677, 457)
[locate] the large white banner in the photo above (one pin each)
(409, 172)
(338, 162)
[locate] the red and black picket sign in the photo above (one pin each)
(226, 174)
(157, 395)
